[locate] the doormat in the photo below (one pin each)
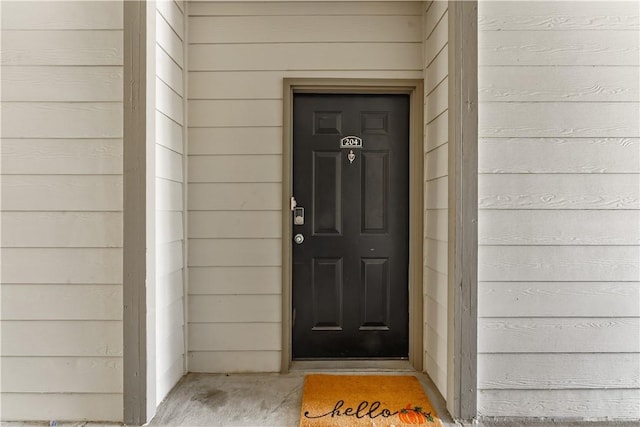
(365, 400)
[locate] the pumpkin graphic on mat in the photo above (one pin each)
(414, 415)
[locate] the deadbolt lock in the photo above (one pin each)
(298, 216)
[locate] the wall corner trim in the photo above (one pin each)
(463, 209)
(134, 215)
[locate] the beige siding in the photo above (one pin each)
(170, 195)
(435, 36)
(238, 55)
(559, 191)
(61, 210)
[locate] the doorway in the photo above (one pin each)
(352, 160)
(350, 226)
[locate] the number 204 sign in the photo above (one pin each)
(351, 142)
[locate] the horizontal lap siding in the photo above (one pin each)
(42, 120)
(62, 70)
(347, 57)
(67, 406)
(62, 83)
(564, 371)
(70, 156)
(575, 403)
(61, 47)
(170, 196)
(238, 56)
(33, 302)
(559, 199)
(436, 165)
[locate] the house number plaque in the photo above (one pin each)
(351, 142)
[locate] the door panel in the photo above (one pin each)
(350, 274)
(375, 184)
(375, 292)
(326, 282)
(327, 193)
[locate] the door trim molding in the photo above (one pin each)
(413, 88)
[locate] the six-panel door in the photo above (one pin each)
(350, 274)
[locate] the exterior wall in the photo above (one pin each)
(559, 186)
(436, 58)
(62, 210)
(238, 55)
(169, 195)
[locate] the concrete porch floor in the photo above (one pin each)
(274, 400)
(236, 400)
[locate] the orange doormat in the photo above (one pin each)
(365, 400)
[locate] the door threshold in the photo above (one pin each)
(352, 365)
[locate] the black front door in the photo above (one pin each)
(350, 271)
